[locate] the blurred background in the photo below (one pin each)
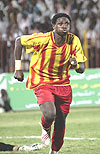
(18, 17)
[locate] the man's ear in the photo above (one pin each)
(69, 27)
(53, 26)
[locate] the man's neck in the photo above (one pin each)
(59, 40)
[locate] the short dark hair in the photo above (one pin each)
(59, 15)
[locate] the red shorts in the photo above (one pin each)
(61, 95)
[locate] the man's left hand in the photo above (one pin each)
(73, 62)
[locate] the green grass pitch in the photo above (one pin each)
(82, 130)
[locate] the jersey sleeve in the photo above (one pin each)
(78, 51)
(32, 42)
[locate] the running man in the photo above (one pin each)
(54, 53)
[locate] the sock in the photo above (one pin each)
(57, 139)
(44, 123)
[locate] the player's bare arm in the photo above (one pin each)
(81, 68)
(18, 67)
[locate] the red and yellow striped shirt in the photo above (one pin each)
(50, 63)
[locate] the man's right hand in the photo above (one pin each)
(19, 75)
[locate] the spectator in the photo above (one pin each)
(24, 20)
(92, 37)
(83, 18)
(16, 31)
(3, 18)
(5, 101)
(7, 38)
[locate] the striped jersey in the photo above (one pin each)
(50, 63)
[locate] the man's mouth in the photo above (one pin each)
(64, 30)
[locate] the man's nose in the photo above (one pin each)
(64, 25)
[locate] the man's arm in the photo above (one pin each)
(18, 67)
(81, 68)
(18, 49)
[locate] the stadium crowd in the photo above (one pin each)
(19, 17)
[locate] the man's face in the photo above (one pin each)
(62, 26)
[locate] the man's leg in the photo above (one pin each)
(63, 100)
(45, 100)
(59, 131)
(8, 147)
(49, 114)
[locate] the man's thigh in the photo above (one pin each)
(43, 94)
(63, 99)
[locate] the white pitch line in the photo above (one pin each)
(66, 138)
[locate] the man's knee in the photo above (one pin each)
(49, 111)
(50, 115)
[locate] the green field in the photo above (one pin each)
(82, 130)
